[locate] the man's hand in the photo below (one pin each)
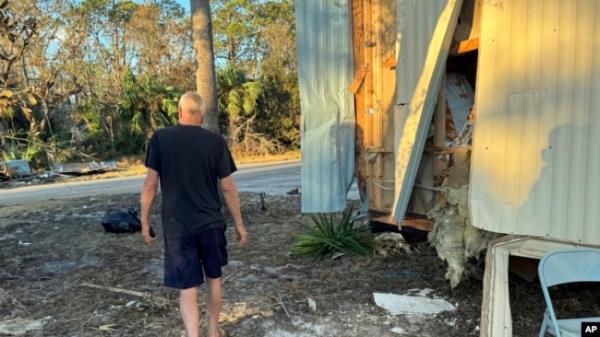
(146, 234)
(147, 198)
(242, 235)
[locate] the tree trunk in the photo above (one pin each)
(205, 73)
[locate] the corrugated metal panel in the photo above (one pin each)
(325, 71)
(536, 148)
(413, 124)
(415, 22)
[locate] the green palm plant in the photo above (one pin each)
(237, 97)
(331, 235)
(145, 106)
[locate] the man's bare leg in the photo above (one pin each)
(188, 305)
(214, 305)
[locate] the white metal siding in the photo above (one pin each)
(324, 41)
(536, 148)
(413, 123)
(415, 22)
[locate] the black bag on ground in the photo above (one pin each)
(122, 221)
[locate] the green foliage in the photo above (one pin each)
(331, 234)
(234, 30)
(237, 96)
(145, 106)
(279, 112)
(100, 76)
(39, 153)
(91, 117)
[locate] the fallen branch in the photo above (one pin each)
(14, 300)
(230, 276)
(279, 301)
(158, 300)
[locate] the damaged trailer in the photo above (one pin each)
(470, 119)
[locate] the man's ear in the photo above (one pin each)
(179, 112)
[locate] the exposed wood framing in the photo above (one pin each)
(374, 87)
(359, 78)
(439, 137)
(358, 41)
(420, 224)
(390, 63)
(413, 136)
(465, 46)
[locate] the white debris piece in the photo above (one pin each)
(312, 304)
(25, 244)
(398, 330)
(20, 326)
(411, 305)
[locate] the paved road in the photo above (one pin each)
(272, 178)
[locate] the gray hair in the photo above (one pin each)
(192, 103)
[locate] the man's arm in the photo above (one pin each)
(232, 199)
(147, 199)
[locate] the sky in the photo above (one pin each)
(185, 4)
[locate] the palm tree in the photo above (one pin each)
(205, 73)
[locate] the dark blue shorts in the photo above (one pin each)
(190, 258)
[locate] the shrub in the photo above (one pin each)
(331, 235)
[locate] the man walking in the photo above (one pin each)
(191, 162)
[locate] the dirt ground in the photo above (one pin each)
(49, 250)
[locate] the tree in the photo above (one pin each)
(205, 74)
(235, 31)
(94, 78)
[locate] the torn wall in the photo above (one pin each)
(327, 130)
(454, 237)
(414, 121)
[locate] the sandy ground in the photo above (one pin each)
(48, 251)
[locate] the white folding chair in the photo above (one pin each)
(561, 267)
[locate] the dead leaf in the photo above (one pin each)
(31, 99)
(27, 113)
(6, 93)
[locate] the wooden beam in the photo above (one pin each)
(359, 78)
(390, 63)
(420, 224)
(439, 136)
(360, 62)
(465, 46)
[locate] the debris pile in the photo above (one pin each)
(391, 244)
(453, 236)
(18, 172)
(81, 169)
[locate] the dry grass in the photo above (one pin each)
(289, 155)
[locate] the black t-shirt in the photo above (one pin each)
(189, 160)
